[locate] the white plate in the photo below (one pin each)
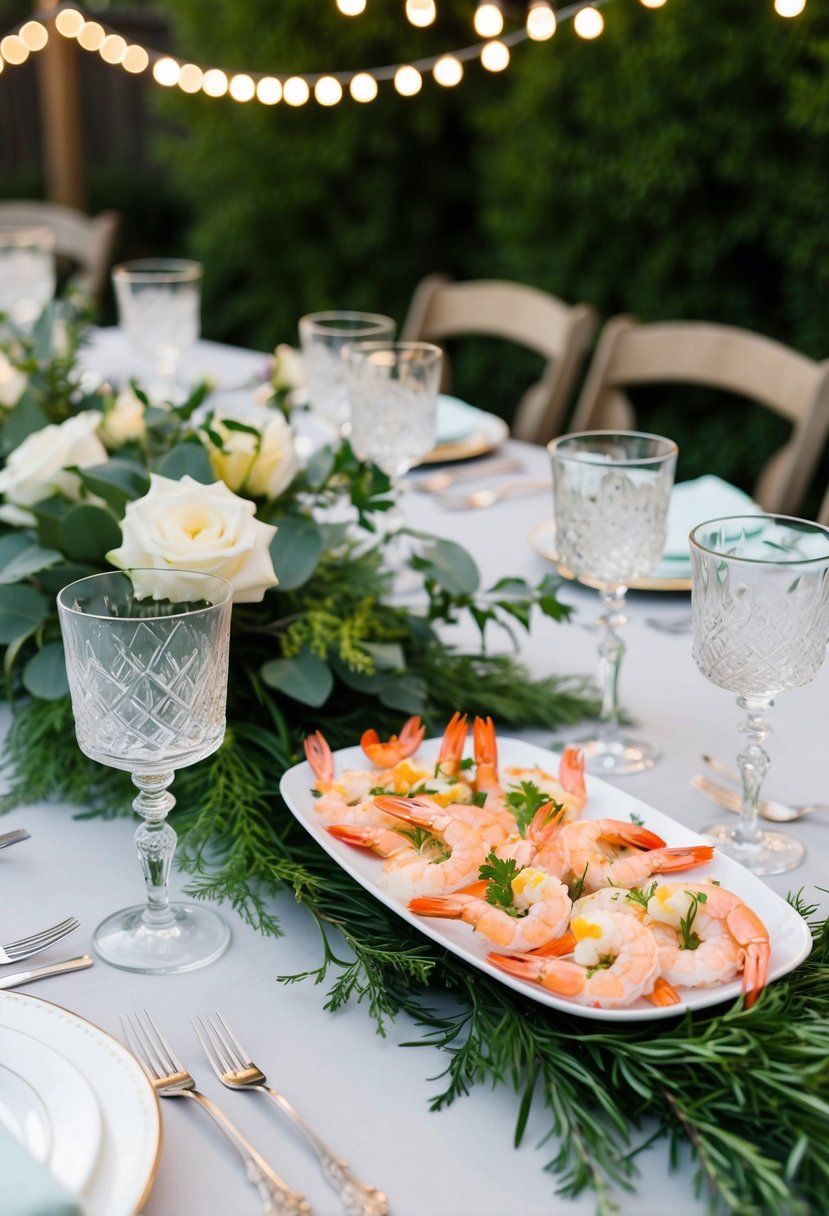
(670, 574)
(789, 934)
(130, 1115)
(464, 431)
(50, 1107)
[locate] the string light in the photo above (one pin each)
(69, 22)
(34, 36)
(495, 56)
(653, 3)
(448, 71)
(190, 78)
(242, 87)
(269, 91)
(488, 20)
(363, 87)
(14, 50)
(214, 83)
(789, 8)
(113, 49)
(295, 91)
(328, 91)
(407, 80)
(541, 21)
(588, 23)
(351, 8)
(135, 60)
(421, 12)
(91, 35)
(166, 71)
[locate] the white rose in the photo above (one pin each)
(261, 465)
(288, 368)
(38, 467)
(12, 383)
(184, 525)
(124, 420)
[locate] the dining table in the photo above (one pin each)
(365, 1093)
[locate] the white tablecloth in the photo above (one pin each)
(363, 1093)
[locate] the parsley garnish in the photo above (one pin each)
(642, 897)
(379, 789)
(479, 798)
(690, 939)
(578, 885)
(498, 875)
(424, 842)
(466, 763)
(525, 799)
(637, 819)
(601, 965)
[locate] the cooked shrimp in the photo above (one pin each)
(539, 912)
(346, 799)
(443, 781)
(439, 855)
(568, 789)
(609, 852)
(615, 961)
(385, 755)
(707, 935)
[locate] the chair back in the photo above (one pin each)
(88, 241)
(723, 357)
(561, 333)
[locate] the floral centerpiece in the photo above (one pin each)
(94, 479)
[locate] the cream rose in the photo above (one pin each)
(12, 383)
(38, 467)
(184, 525)
(288, 368)
(124, 420)
(261, 465)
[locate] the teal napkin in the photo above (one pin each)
(27, 1188)
(693, 502)
(456, 419)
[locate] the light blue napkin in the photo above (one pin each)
(694, 502)
(27, 1188)
(456, 419)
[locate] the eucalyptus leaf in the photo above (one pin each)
(117, 482)
(450, 566)
(20, 557)
(407, 692)
(44, 675)
(319, 468)
(26, 418)
(87, 533)
(388, 656)
(57, 577)
(187, 460)
(22, 609)
(49, 515)
(296, 550)
(305, 678)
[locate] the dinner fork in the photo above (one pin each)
(8, 838)
(485, 498)
(170, 1079)
(730, 800)
(235, 1069)
(13, 952)
(436, 483)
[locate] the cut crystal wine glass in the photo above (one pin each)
(760, 606)
(27, 272)
(324, 337)
(147, 661)
(159, 301)
(611, 491)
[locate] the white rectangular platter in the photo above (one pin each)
(789, 934)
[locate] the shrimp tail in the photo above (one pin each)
(485, 742)
(397, 748)
(319, 756)
(618, 832)
(449, 907)
(683, 857)
(565, 944)
(451, 749)
(546, 822)
(747, 929)
(663, 993)
(421, 811)
(384, 841)
(556, 974)
(571, 771)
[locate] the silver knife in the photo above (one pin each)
(39, 973)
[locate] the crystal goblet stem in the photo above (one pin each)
(611, 653)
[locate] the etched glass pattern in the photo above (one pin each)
(394, 391)
(27, 273)
(158, 308)
(325, 337)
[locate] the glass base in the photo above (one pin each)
(774, 852)
(617, 756)
(197, 936)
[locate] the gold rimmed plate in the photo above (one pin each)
(464, 432)
(669, 576)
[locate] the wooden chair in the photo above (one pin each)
(442, 309)
(823, 513)
(88, 242)
(723, 357)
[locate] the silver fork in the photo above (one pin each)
(171, 1079)
(436, 483)
(730, 800)
(485, 498)
(8, 838)
(13, 952)
(235, 1069)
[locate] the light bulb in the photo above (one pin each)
(166, 71)
(91, 36)
(113, 48)
(421, 12)
(495, 56)
(328, 91)
(448, 71)
(789, 8)
(269, 91)
(13, 49)
(541, 21)
(242, 87)
(214, 83)
(190, 78)
(295, 91)
(351, 8)
(363, 87)
(33, 35)
(69, 22)
(588, 23)
(489, 20)
(408, 81)
(135, 60)
(653, 3)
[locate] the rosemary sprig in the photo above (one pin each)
(690, 938)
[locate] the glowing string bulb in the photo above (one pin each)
(363, 87)
(214, 83)
(269, 91)
(489, 20)
(407, 80)
(166, 71)
(113, 49)
(495, 56)
(789, 8)
(351, 8)
(190, 78)
(653, 3)
(295, 91)
(421, 12)
(588, 23)
(33, 35)
(541, 21)
(242, 87)
(91, 36)
(135, 60)
(69, 22)
(328, 91)
(13, 49)
(448, 71)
